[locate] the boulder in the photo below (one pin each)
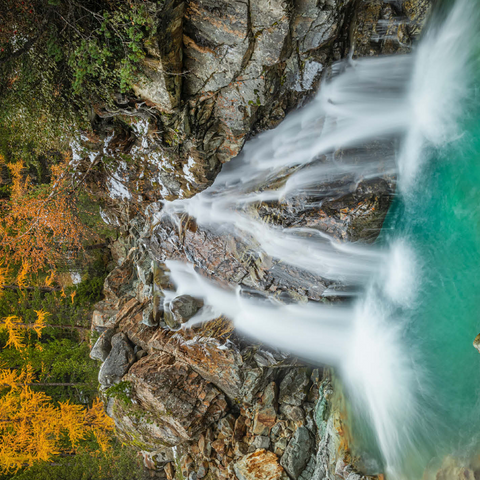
(298, 452)
(293, 413)
(184, 307)
(293, 389)
(173, 404)
(118, 362)
(103, 345)
(264, 420)
(260, 465)
(224, 367)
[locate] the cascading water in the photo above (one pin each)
(403, 347)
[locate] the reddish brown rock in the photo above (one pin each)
(171, 403)
(221, 366)
(264, 420)
(102, 314)
(120, 280)
(261, 465)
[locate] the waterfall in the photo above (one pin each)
(407, 106)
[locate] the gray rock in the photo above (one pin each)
(293, 388)
(149, 317)
(264, 359)
(307, 474)
(119, 250)
(292, 412)
(280, 446)
(298, 452)
(309, 412)
(103, 345)
(353, 476)
(183, 308)
(255, 380)
(144, 269)
(145, 293)
(118, 362)
(159, 458)
(269, 394)
(261, 442)
(170, 320)
(201, 472)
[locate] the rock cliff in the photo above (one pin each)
(204, 402)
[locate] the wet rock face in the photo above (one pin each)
(204, 403)
(216, 72)
(230, 260)
(219, 70)
(183, 308)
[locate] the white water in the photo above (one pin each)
(404, 105)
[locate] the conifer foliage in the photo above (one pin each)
(33, 428)
(39, 224)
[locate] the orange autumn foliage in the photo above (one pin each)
(39, 224)
(33, 428)
(15, 329)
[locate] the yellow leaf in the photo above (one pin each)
(23, 274)
(50, 278)
(40, 324)
(15, 333)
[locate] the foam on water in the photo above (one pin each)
(439, 87)
(410, 100)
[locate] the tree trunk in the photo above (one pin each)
(48, 384)
(30, 289)
(66, 327)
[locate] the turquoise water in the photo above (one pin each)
(440, 221)
(438, 218)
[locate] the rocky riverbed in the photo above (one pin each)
(205, 402)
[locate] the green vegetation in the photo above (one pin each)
(62, 64)
(122, 391)
(121, 463)
(61, 354)
(58, 59)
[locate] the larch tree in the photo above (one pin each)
(39, 224)
(33, 428)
